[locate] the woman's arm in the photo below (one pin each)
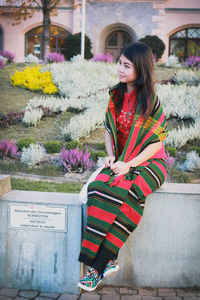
(108, 143)
(146, 154)
(120, 167)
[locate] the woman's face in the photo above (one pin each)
(126, 70)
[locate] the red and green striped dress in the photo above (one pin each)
(115, 203)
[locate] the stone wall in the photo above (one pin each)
(136, 17)
(162, 252)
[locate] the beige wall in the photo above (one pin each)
(170, 22)
(14, 36)
(166, 23)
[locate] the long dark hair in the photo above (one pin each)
(141, 56)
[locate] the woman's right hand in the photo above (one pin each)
(109, 161)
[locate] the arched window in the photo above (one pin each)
(116, 41)
(1, 39)
(34, 40)
(185, 43)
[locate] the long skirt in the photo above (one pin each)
(114, 211)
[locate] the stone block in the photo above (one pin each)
(108, 290)
(68, 297)
(89, 297)
(5, 298)
(50, 295)
(191, 298)
(8, 292)
(28, 294)
(42, 298)
(147, 292)
(127, 291)
(163, 251)
(151, 298)
(40, 259)
(110, 297)
(172, 298)
(185, 292)
(166, 292)
(131, 297)
(5, 184)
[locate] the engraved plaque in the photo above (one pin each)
(38, 217)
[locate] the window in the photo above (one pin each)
(116, 41)
(185, 43)
(34, 40)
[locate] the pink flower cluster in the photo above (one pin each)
(8, 148)
(75, 160)
(169, 160)
(103, 57)
(2, 65)
(55, 57)
(192, 61)
(9, 55)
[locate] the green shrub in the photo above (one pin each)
(72, 145)
(95, 154)
(179, 176)
(53, 147)
(25, 143)
(73, 46)
(171, 150)
(155, 43)
(101, 146)
(194, 148)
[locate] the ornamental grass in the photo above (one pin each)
(31, 78)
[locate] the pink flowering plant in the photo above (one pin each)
(169, 160)
(108, 58)
(9, 55)
(55, 57)
(2, 64)
(8, 148)
(192, 62)
(75, 160)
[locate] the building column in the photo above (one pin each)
(160, 19)
(77, 16)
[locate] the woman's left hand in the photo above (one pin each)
(120, 168)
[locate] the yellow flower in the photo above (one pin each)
(32, 79)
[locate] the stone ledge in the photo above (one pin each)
(179, 188)
(42, 197)
(5, 184)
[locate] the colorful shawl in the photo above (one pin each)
(144, 130)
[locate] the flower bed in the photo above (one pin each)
(83, 88)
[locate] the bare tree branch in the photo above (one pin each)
(54, 5)
(36, 2)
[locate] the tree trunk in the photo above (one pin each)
(46, 28)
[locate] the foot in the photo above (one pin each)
(90, 280)
(112, 267)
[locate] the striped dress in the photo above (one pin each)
(116, 203)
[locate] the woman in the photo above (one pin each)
(135, 166)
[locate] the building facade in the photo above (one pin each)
(110, 24)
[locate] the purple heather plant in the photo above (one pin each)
(8, 148)
(9, 55)
(103, 58)
(2, 65)
(192, 62)
(169, 160)
(55, 57)
(75, 160)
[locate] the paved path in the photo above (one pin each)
(107, 293)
